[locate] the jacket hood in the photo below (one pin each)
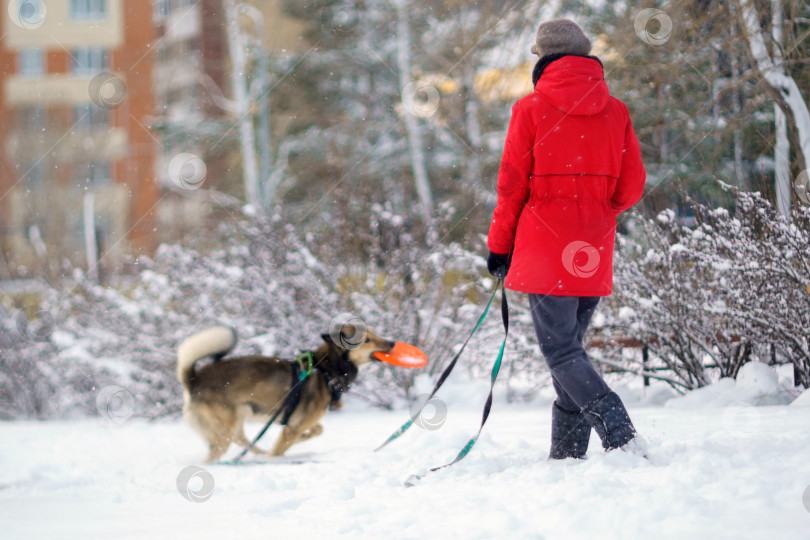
(575, 85)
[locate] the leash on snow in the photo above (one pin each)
(294, 391)
(446, 373)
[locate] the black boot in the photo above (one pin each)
(609, 418)
(570, 433)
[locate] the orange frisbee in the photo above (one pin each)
(403, 355)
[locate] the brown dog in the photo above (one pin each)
(220, 396)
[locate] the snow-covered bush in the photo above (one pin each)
(279, 288)
(703, 299)
(710, 297)
(26, 382)
(265, 285)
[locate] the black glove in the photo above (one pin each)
(498, 264)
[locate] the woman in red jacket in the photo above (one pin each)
(571, 164)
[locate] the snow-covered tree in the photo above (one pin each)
(775, 74)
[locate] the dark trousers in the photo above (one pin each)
(560, 323)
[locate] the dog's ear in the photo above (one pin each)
(327, 338)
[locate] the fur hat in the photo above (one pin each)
(561, 36)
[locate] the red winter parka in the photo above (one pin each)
(571, 164)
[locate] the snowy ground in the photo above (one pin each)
(715, 472)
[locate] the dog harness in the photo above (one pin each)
(301, 370)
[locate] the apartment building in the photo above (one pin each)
(97, 97)
(76, 152)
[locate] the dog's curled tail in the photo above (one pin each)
(217, 342)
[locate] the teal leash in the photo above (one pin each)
(411, 481)
(446, 373)
(495, 369)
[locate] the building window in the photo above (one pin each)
(88, 10)
(31, 118)
(32, 62)
(93, 173)
(161, 9)
(89, 60)
(33, 174)
(181, 4)
(90, 117)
